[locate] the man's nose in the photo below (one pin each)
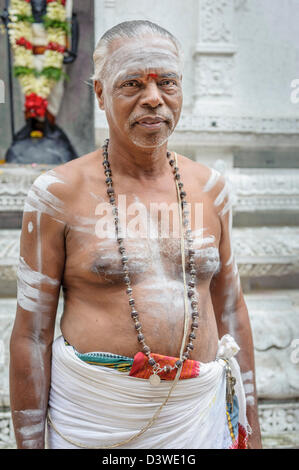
(151, 95)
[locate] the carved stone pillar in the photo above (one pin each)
(214, 57)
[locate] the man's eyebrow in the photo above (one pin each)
(139, 75)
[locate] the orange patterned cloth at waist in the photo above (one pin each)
(143, 370)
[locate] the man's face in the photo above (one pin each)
(141, 92)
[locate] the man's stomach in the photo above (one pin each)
(97, 320)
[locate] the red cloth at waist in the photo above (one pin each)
(143, 370)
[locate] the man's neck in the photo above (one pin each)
(138, 163)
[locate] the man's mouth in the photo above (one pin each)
(151, 122)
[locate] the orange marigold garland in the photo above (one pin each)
(37, 84)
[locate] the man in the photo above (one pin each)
(101, 392)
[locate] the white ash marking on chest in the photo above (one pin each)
(158, 257)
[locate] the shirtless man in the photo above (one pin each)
(137, 82)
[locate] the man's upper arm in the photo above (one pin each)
(42, 257)
(226, 292)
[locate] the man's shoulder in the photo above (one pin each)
(207, 178)
(75, 170)
(66, 179)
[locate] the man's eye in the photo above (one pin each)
(168, 82)
(130, 84)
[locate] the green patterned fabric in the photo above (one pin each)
(114, 361)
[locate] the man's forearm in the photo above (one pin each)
(245, 357)
(29, 390)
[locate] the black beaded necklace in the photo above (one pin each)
(154, 378)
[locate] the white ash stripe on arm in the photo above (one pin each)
(40, 199)
(32, 277)
(29, 294)
(222, 195)
(212, 180)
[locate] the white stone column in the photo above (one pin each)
(214, 58)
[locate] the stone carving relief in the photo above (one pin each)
(264, 189)
(267, 251)
(7, 439)
(246, 124)
(279, 418)
(214, 76)
(215, 20)
(14, 185)
(275, 325)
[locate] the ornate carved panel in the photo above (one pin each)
(15, 181)
(215, 20)
(214, 50)
(214, 75)
(7, 438)
(264, 189)
(267, 251)
(277, 419)
(274, 319)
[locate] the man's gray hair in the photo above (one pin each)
(128, 29)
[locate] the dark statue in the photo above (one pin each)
(38, 9)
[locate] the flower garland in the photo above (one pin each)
(37, 84)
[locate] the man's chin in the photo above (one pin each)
(153, 142)
(149, 139)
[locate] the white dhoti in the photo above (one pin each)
(96, 406)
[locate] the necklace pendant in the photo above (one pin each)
(154, 380)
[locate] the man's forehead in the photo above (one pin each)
(142, 55)
(141, 41)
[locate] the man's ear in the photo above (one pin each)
(98, 89)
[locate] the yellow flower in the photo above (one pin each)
(57, 35)
(18, 30)
(53, 59)
(42, 86)
(56, 11)
(23, 57)
(19, 7)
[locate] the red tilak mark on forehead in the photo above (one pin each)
(153, 75)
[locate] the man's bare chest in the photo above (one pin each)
(151, 226)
